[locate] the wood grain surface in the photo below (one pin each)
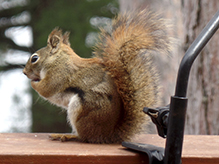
(37, 148)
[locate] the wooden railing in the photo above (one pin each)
(34, 148)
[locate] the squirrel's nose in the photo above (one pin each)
(24, 71)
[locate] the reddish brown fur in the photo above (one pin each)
(113, 87)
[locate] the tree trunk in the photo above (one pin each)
(203, 92)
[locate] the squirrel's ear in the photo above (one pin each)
(54, 40)
(66, 38)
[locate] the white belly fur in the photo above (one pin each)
(74, 108)
(70, 102)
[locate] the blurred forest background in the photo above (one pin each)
(26, 24)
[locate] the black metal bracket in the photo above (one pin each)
(159, 117)
(155, 154)
(170, 123)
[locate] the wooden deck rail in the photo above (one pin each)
(34, 148)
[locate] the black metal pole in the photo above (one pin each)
(178, 103)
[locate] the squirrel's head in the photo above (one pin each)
(55, 54)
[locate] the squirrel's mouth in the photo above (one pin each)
(35, 80)
(32, 77)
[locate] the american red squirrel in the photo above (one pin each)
(104, 96)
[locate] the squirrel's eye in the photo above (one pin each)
(34, 58)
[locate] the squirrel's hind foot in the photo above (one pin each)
(63, 137)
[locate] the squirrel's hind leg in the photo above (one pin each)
(63, 137)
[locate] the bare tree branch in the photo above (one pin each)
(11, 44)
(11, 66)
(5, 27)
(13, 11)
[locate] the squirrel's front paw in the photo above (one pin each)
(63, 137)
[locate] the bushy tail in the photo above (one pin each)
(127, 54)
